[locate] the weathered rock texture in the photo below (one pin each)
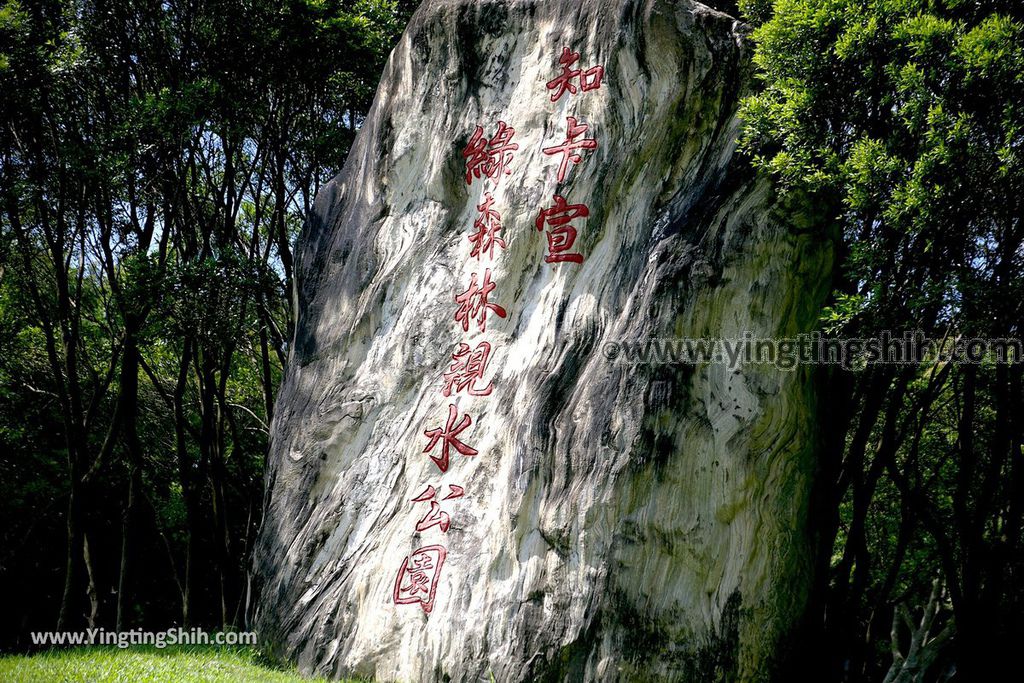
(621, 522)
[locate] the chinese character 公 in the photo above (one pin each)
(436, 516)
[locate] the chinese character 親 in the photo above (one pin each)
(468, 367)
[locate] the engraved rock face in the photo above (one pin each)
(618, 520)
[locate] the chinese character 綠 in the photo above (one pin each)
(489, 158)
(469, 366)
(447, 436)
(568, 148)
(473, 303)
(418, 576)
(589, 79)
(561, 235)
(487, 225)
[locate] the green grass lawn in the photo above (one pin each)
(146, 664)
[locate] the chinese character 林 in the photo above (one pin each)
(474, 304)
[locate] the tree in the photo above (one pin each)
(158, 160)
(901, 124)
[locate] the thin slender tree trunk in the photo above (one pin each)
(92, 590)
(129, 413)
(209, 442)
(188, 479)
(71, 608)
(128, 539)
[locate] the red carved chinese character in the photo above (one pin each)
(473, 303)
(418, 576)
(561, 236)
(489, 158)
(428, 493)
(469, 366)
(454, 491)
(487, 225)
(566, 149)
(447, 436)
(436, 516)
(589, 79)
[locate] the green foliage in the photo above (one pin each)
(903, 120)
(908, 116)
(156, 161)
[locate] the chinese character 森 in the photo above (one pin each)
(487, 225)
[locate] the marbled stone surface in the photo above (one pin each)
(621, 522)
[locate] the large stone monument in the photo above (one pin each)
(468, 479)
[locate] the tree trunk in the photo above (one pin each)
(189, 475)
(129, 398)
(71, 606)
